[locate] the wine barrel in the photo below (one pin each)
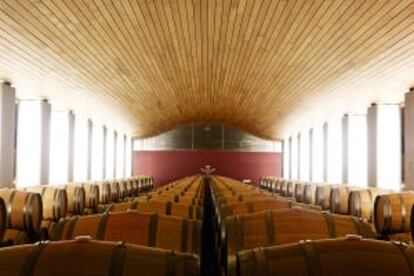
(3, 218)
(123, 189)
(283, 188)
(84, 256)
(24, 209)
(122, 206)
(299, 191)
(76, 199)
(104, 192)
(138, 228)
(361, 202)
(286, 226)
(186, 211)
(115, 191)
(309, 193)
(155, 206)
(322, 196)
(290, 189)
(392, 212)
(252, 206)
(339, 199)
(54, 199)
(16, 237)
(346, 257)
(91, 196)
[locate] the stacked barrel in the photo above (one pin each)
(33, 213)
(275, 228)
(169, 218)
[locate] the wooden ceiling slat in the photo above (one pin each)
(266, 66)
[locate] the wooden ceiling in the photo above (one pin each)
(266, 66)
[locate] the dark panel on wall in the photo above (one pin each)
(166, 166)
(206, 136)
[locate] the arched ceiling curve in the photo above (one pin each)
(269, 67)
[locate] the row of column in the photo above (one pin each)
(56, 146)
(358, 150)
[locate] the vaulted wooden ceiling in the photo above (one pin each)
(265, 66)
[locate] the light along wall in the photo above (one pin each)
(294, 157)
(110, 149)
(384, 151)
(33, 135)
(128, 157)
(59, 147)
(81, 149)
(97, 152)
(286, 158)
(317, 154)
(120, 150)
(304, 156)
(354, 129)
(334, 151)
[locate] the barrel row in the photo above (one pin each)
(389, 211)
(139, 228)
(184, 210)
(275, 221)
(32, 211)
(84, 256)
(344, 256)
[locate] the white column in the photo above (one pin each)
(408, 140)
(354, 133)
(33, 137)
(7, 134)
(384, 146)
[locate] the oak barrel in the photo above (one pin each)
(298, 194)
(309, 193)
(24, 209)
(115, 195)
(392, 212)
(282, 190)
(339, 199)
(87, 257)
(290, 189)
(361, 202)
(76, 199)
(322, 196)
(286, 226)
(104, 192)
(54, 199)
(91, 196)
(149, 229)
(348, 256)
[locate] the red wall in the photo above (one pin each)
(166, 166)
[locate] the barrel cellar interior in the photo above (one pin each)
(206, 137)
